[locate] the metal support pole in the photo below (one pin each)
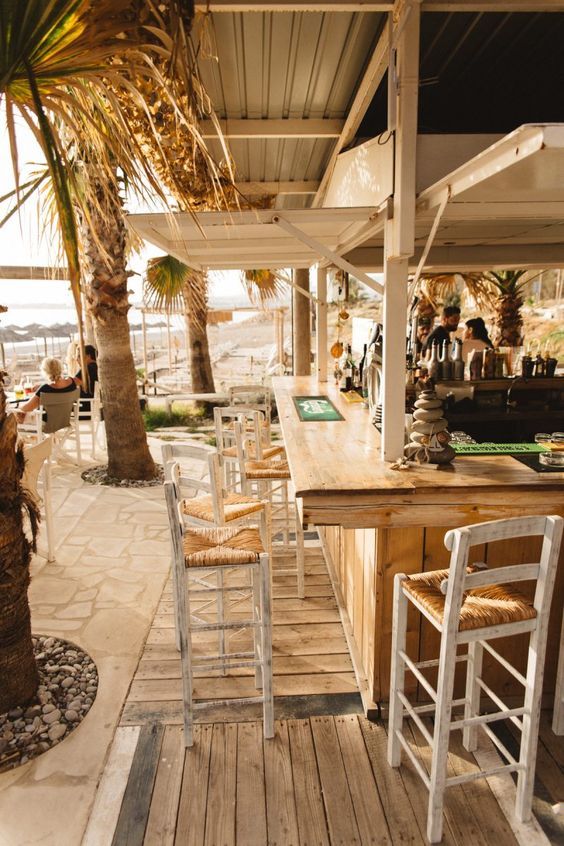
(321, 330)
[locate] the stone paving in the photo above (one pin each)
(101, 592)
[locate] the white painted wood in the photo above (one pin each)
(38, 464)
(298, 186)
(558, 716)
(527, 717)
(394, 348)
(363, 176)
(107, 803)
(397, 673)
(321, 325)
(273, 128)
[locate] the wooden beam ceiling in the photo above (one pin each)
(274, 128)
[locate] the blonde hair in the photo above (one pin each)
(52, 369)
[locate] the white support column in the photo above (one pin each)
(321, 325)
(169, 344)
(400, 230)
(144, 339)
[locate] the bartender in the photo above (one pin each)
(450, 319)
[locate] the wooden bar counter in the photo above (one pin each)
(375, 522)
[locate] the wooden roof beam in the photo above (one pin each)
(266, 188)
(239, 128)
(379, 6)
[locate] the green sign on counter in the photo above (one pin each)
(497, 449)
(316, 408)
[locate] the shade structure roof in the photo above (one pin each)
(502, 208)
(255, 239)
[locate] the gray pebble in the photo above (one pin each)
(3, 745)
(49, 642)
(15, 713)
(52, 717)
(47, 709)
(57, 731)
(32, 712)
(71, 715)
(68, 682)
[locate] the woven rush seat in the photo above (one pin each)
(486, 606)
(267, 469)
(268, 452)
(234, 506)
(224, 545)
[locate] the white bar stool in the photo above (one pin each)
(222, 550)
(467, 604)
(558, 715)
(271, 477)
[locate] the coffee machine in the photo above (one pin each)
(374, 375)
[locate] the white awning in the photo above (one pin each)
(262, 238)
(504, 208)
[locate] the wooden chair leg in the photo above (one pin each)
(300, 555)
(438, 775)
(472, 706)
(397, 673)
(530, 731)
(558, 715)
(258, 613)
(221, 611)
(266, 634)
(286, 513)
(185, 637)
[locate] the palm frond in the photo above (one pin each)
(263, 287)
(437, 287)
(171, 286)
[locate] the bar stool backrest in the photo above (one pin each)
(459, 541)
(195, 470)
(254, 397)
(224, 419)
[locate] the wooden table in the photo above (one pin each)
(375, 522)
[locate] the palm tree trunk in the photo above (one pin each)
(508, 320)
(196, 315)
(107, 298)
(18, 672)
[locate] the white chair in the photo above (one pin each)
(255, 397)
(238, 552)
(224, 421)
(38, 462)
(469, 605)
(91, 411)
(271, 478)
(558, 715)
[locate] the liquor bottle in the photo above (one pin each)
(445, 366)
(433, 365)
(457, 361)
(349, 370)
(539, 366)
(489, 363)
(361, 366)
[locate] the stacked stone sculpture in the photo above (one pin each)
(429, 438)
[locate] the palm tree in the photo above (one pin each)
(500, 292)
(68, 67)
(95, 83)
(18, 672)
(171, 284)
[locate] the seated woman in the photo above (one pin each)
(54, 383)
(475, 337)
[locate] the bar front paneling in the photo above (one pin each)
(375, 522)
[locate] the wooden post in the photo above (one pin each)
(301, 327)
(321, 328)
(169, 344)
(399, 237)
(144, 337)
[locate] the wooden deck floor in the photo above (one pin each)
(321, 780)
(310, 656)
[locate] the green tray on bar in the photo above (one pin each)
(316, 408)
(497, 449)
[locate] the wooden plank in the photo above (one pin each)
(339, 809)
(460, 825)
(547, 770)
(358, 586)
(283, 665)
(312, 824)
(109, 795)
(292, 631)
(281, 815)
(191, 823)
(222, 786)
(251, 791)
(286, 618)
(403, 824)
(132, 821)
(369, 813)
(279, 606)
(240, 686)
(369, 609)
(305, 646)
(479, 797)
(553, 742)
(161, 824)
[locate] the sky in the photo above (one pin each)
(22, 241)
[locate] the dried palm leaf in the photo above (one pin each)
(263, 287)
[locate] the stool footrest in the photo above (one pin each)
(489, 718)
(503, 768)
(217, 627)
(419, 676)
(415, 716)
(501, 660)
(414, 760)
(500, 703)
(228, 665)
(497, 742)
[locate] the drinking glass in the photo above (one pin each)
(543, 438)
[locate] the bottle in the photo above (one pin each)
(364, 386)
(445, 369)
(539, 366)
(433, 365)
(361, 366)
(476, 366)
(489, 363)
(457, 361)
(348, 369)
